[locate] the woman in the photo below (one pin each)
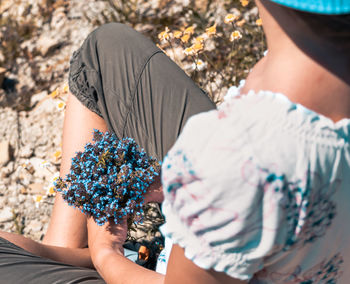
(264, 198)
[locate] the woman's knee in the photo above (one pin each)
(117, 38)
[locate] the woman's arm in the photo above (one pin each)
(105, 243)
(107, 253)
(73, 256)
(182, 270)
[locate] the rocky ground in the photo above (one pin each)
(37, 38)
(30, 119)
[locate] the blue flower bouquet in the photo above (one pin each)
(108, 180)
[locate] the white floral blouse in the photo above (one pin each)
(260, 189)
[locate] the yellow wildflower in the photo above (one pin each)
(211, 30)
(66, 89)
(230, 18)
(185, 38)
(61, 105)
(28, 167)
(50, 191)
(199, 65)
(259, 22)
(26, 164)
(240, 23)
(44, 164)
(55, 176)
(244, 2)
(164, 35)
(189, 30)
(54, 94)
(177, 34)
(197, 47)
(57, 155)
(189, 51)
(235, 35)
(37, 199)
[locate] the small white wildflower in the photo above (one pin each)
(61, 105)
(57, 155)
(199, 64)
(230, 18)
(189, 51)
(28, 167)
(50, 190)
(38, 199)
(235, 36)
(164, 35)
(45, 164)
(66, 89)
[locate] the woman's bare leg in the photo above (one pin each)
(67, 227)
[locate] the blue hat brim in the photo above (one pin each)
(327, 7)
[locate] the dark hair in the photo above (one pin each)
(325, 38)
(334, 28)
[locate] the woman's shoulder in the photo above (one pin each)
(274, 115)
(265, 127)
(265, 114)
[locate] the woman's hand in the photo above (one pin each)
(107, 253)
(155, 192)
(113, 236)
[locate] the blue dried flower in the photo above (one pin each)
(108, 180)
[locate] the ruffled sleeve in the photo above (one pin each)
(220, 205)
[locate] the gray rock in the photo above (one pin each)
(6, 215)
(7, 170)
(3, 201)
(34, 226)
(26, 151)
(13, 200)
(4, 152)
(22, 198)
(46, 44)
(41, 151)
(36, 188)
(37, 98)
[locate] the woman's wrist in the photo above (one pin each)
(114, 267)
(101, 255)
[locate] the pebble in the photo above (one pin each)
(12, 200)
(39, 97)
(47, 44)
(26, 151)
(7, 170)
(35, 225)
(6, 215)
(21, 198)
